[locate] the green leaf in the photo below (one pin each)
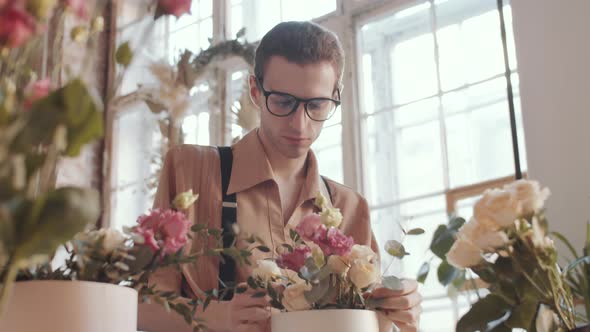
(522, 316)
(567, 243)
(288, 247)
(455, 223)
(214, 232)
(423, 272)
(206, 303)
(395, 249)
(263, 248)
(484, 311)
(196, 228)
(392, 282)
(252, 283)
(318, 291)
(574, 264)
(55, 219)
(415, 231)
(446, 273)
(259, 294)
(83, 119)
(442, 241)
(294, 235)
(241, 33)
(124, 54)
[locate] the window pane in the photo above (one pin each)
(328, 150)
(199, 9)
(129, 203)
(425, 213)
(195, 126)
(259, 16)
(413, 69)
(404, 161)
(133, 129)
(478, 127)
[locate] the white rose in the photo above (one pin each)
(266, 270)
(331, 217)
(294, 297)
(363, 273)
(529, 195)
(111, 238)
(464, 254)
(362, 252)
(482, 236)
(338, 264)
(538, 236)
(497, 206)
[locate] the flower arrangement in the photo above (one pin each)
(508, 246)
(41, 121)
(323, 268)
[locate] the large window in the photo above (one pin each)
(259, 16)
(436, 120)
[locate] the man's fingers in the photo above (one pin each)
(403, 327)
(246, 300)
(400, 302)
(408, 286)
(252, 314)
(410, 316)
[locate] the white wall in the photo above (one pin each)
(552, 40)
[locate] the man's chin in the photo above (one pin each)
(295, 153)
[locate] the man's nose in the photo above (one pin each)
(298, 119)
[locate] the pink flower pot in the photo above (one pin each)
(331, 320)
(70, 306)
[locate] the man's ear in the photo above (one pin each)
(255, 93)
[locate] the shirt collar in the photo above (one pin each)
(251, 167)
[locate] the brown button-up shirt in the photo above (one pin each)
(259, 208)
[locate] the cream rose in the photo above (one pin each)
(497, 206)
(362, 252)
(331, 217)
(464, 254)
(338, 264)
(111, 238)
(363, 273)
(266, 270)
(294, 297)
(184, 200)
(529, 195)
(482, 236)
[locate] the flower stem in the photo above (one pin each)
(7, 285)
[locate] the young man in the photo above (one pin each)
(296, 85)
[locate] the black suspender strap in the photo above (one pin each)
(227, 269)
(328, 188)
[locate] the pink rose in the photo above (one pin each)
(36, 90)
(164, 230)
(296, 259)
(16, 26)
(311, 227)
(335, 243)
(175, 7)
(79, 7)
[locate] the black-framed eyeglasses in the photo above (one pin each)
(283, 104)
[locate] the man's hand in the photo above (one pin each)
(247, 313)
(402, 306)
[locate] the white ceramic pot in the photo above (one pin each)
(332, 320)
(70, 306)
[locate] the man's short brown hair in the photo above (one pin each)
(301, 43)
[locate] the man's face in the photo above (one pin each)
(292, 135)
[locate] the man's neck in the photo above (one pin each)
(285, 169)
